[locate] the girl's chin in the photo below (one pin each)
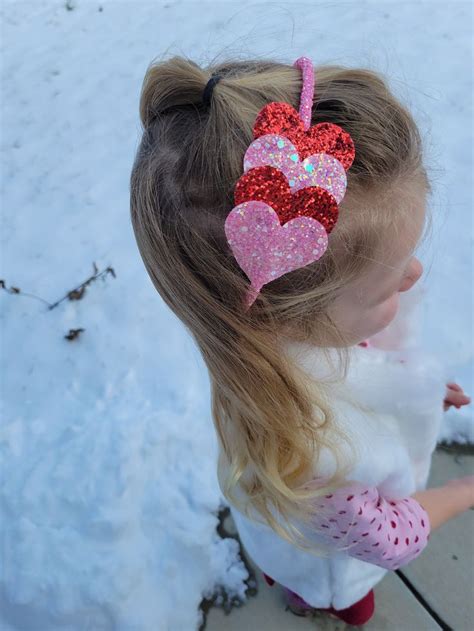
(386, 317)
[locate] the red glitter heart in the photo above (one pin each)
(269, 185)
(283, 119)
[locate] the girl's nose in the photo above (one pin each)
(413, 274)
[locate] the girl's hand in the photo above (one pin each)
(442, 503)
(466, 482)
(454, 396)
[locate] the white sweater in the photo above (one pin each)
(405, 390)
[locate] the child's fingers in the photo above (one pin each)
(457, 399)
(454, 386)
(455, 396)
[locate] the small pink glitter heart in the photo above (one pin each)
(265, 249)
(319, 169)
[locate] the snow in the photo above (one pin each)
(109, 488)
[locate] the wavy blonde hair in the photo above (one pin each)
(272, 419)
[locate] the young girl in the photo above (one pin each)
(325, 440)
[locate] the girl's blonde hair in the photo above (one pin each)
(272, 420)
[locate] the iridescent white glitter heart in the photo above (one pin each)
(320, 169)
(265, 249)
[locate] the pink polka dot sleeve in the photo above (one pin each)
(385, 532)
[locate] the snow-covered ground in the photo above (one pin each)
(109, 496)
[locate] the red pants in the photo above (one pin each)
(358, 613)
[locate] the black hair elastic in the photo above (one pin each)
(207, 93)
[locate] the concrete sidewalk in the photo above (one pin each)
(435, 591)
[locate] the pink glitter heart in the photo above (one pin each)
(319, 169)
(265, 249)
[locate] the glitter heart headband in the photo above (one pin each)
(287, 199)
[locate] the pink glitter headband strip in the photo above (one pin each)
(287, 198)
(307, 91)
